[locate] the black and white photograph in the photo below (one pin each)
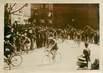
(51, 37)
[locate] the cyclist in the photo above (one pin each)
(8, 41)
(53, 46)
(26, 43)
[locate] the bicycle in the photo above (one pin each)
(12, 60)
(51, 58)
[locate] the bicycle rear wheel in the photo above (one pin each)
(16, 60)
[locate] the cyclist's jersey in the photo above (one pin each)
(54, 47)
(53, 44)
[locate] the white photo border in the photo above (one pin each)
(100, 2)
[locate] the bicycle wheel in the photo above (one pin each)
(46, 59)
(58, 57)
(16, 60)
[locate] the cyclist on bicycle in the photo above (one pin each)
(8, 41)
(52, 46)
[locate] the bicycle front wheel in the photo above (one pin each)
(46, 59)
(58, 57)
(16, 60)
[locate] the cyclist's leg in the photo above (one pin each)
(53, 53)
(9, 61)
(27, 49)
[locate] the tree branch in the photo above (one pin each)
(13, 6)
(18, 9)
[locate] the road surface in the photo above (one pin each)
(69, 50)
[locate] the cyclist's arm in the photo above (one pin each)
(53, 45)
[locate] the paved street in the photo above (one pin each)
(69, 50)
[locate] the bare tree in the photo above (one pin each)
(9, 11)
